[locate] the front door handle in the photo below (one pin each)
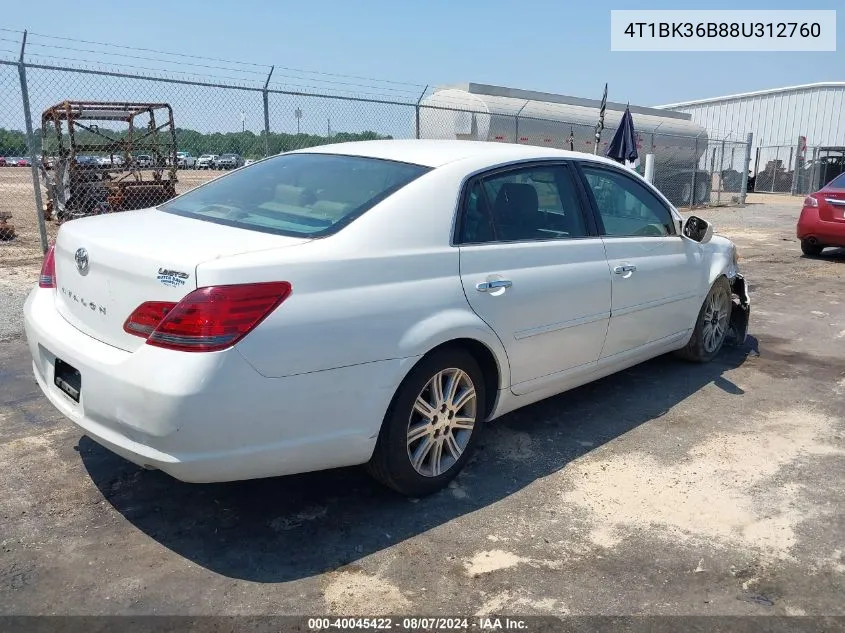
(486, 286)
(627, 268)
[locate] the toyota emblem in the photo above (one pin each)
(81, 258)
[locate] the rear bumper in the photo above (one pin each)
(209, 417)
(811, 226)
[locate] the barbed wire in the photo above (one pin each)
(152, 59)
(409, 89)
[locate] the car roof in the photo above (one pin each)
(436, 153)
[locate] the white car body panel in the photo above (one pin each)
(658, 299)
(128, 253)
(308, 388)
(544, 328)
(210, 417)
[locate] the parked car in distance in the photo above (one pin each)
(2, 161)
(23, 162)
(248, 161)
(336, 306)
(207, 161)
(229, 161)
(184, 160)
(87, 161)
(822, 220)
(143, 161)
(110, 161)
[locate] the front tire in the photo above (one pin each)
(711, 328)
(432, 424)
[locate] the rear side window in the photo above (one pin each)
(301, 195)
(531, 203)
(838, 182)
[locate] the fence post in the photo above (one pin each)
(649, 168)
(516, 127)
(694, 169)
(814, 172)
(266, 97)
(30, 141)
(721, 174)
(712, 166)
(757, 167)
(417, 109)
(746, 167)
(796, 166)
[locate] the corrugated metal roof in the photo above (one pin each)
(757, 93)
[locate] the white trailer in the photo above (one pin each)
(481, 112)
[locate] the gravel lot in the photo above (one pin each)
(667, 489)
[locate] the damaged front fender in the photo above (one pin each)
(740, 312)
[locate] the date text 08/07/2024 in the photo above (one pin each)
(486, 623)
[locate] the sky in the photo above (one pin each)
(550, 45)
(556, 46)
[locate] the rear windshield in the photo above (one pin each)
(309, 195)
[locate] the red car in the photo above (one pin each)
(822, 220)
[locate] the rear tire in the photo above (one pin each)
(432, 424)
(712, 325)
(811, 249)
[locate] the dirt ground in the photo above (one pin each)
(667, 489)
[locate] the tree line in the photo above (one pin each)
(247, 144)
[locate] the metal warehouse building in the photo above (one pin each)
(795, 127)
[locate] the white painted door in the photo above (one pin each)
(532, 271)
(656, 273)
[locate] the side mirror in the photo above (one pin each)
(698, 230)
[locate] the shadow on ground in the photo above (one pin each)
(293, 527)
(829, 254)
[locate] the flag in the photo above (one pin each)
(600, 124)
(623, 147)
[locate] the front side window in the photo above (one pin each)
(626, 207)
(301, 195)
(535, 203)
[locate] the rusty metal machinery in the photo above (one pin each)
(102, 157)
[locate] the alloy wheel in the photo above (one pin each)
(441, 422)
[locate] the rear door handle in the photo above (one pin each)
(486, 286)
(627, 268)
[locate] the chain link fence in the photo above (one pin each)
(110, 141)
(794, 169)
(774, 169)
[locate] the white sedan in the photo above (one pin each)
(368, 303)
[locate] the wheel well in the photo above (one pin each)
(486, 361)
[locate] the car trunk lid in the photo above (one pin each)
(832, 205)
(106, 266)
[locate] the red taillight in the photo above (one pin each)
(810, 201)
(208, 319)
(147, 317)
(48, 269)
